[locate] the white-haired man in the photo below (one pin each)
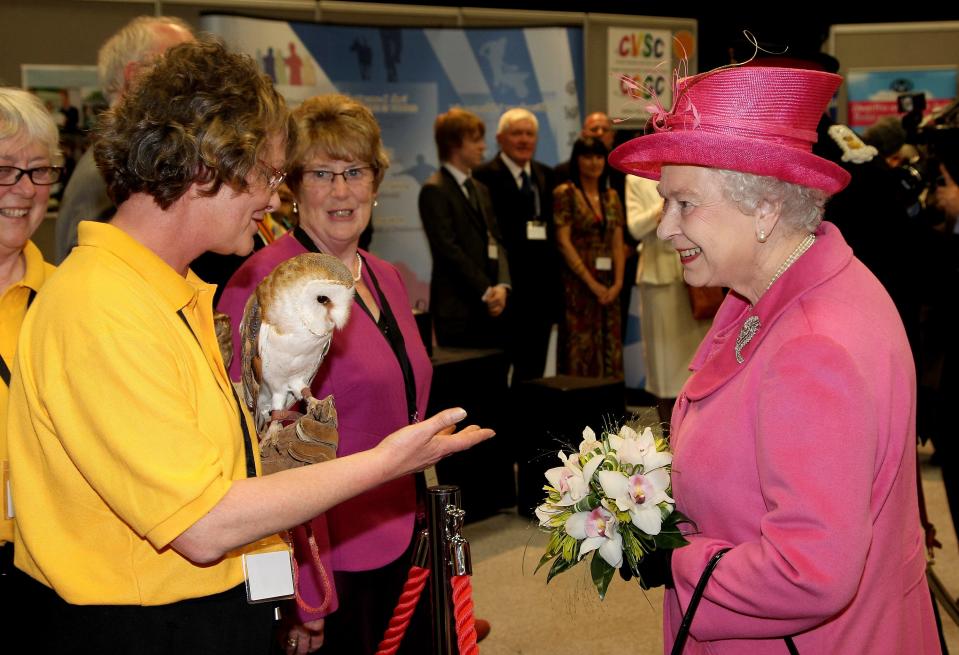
(120, 60)
(522, 194)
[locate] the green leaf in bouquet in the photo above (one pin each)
(632, 546)
(552, 495)
(602, 574)
(555, 545)
(670, 539)
(631, 557)
(587, 503)
(559, 565)
(547, 556)
(671, 536)
(570, 549)
(648, 542)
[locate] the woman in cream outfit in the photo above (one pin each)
(670, 333)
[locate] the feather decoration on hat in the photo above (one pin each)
(662, 119)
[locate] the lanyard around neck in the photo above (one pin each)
(4, 369)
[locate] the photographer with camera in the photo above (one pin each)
(942, 210)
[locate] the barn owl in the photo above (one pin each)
(286, 330)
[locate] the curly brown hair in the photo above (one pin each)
(202, 114)
(341, 128)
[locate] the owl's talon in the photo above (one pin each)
(269, 438)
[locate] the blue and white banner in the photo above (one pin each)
(408, 76)
(874, 93)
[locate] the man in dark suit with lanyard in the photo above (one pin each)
(470, 280)
(522, 194)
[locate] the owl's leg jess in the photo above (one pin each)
(310, 404)
(279, 415)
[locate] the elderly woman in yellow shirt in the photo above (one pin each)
(28, 154)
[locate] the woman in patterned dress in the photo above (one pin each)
(589, 232)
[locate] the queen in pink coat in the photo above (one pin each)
(794, 438)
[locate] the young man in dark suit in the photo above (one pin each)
(470, 281)
(522, 194)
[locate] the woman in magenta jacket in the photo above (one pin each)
(377, 370)
(794, 438)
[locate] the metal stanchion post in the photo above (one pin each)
(440, 498)
(461, 563)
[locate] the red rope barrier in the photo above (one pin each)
(463, 614)
(404, 610)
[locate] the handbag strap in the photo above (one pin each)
(687, 621)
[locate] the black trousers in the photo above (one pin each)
(528, 343)
(223, 623)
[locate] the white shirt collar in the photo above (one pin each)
(457, 174)
(516, 169)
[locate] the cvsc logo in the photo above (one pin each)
(642, 44)
(651, 82)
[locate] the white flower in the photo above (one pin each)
(630, 447)
(597, 530)
(589, 443)
(545, 513)
(568, 480)
(639, 449)
(639, 495)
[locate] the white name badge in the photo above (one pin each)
(604, 263)
(536, 231)
(492, 251)
(269, 576)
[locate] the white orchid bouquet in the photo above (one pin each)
(612, 499)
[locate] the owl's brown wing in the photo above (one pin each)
(251, 372)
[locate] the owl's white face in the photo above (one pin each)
(320, 306)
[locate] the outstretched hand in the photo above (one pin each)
(422, 444)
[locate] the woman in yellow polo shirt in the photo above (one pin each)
(29, 152)
(140, 508)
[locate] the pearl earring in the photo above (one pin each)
(762, 235)
(376, 202)
(296, 208)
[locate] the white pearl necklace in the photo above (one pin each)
(752, 323)
(359, 268)
(803, 246)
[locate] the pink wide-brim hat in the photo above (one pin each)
(758, 120)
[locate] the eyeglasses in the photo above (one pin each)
(274, 177)
(356, 176)
(41, 175)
